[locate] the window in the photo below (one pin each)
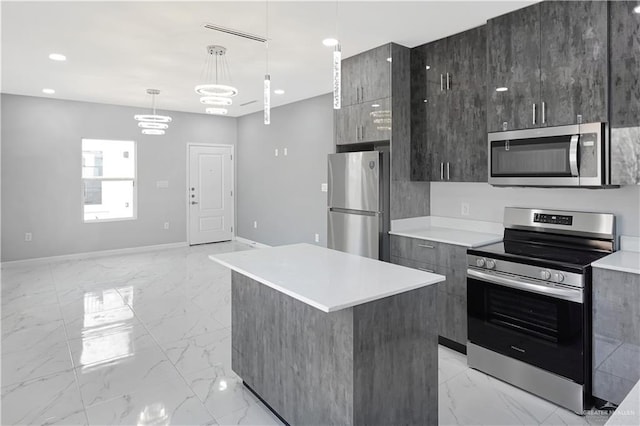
(108, 180)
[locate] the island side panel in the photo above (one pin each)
(296, 357)
(396, 360)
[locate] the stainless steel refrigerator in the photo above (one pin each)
(358, 203)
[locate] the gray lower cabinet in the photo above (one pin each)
(444, 259)
(616, 333)
(625, 93)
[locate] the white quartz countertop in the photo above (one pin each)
(628, 412)
(326, 279)
(467, 233)
(623, 261)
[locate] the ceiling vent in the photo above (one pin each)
(237, 33)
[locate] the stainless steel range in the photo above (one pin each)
(529, 302)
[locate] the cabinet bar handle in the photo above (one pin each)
(544, 115)
(448, 170)
(425, 246)
(441, 83)
(448, 81)
(534, 114)
(426, 270)
(361, 132)
(441, 171)
(361, 93)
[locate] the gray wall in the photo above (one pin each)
(41, 169)
(487, 202)
(283, 193)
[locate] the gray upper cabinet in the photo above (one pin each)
(574, 70)
(366, 76)
(365, 115)
(625, 93)
(547, 65)
(448, 117)
(513, 74)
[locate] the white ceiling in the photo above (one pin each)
(117, 50)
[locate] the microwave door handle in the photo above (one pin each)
(573, 155)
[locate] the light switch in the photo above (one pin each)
(276, 152)
(285, 152)
(324, 187)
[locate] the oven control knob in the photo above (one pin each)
(545, 274)
(480, 262)
(558, 277)
(491, 263)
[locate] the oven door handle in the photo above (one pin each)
(558, 293)
(573, 155)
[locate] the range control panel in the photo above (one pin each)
(555, 219)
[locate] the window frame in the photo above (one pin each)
(101, 179)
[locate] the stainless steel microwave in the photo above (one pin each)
(575, 155)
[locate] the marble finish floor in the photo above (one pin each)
(145, 338)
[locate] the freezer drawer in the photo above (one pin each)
(355, 232)
(354, 181)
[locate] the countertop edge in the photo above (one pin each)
(411, 234)
(437, 279)
(617, 262)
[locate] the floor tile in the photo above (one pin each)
(200, 352)
(254, 414)
(24, 365)
(52, 399)
(108, 344)
(34, 339)
(134, 371)
(450, 364)
(221, 391)
(472, 397)
(182, 327)
(14, 321)
(161, 404)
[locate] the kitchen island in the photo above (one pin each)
(325, 337)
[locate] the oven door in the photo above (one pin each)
(539, 329)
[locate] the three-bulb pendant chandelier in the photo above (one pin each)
(153, 124)
(217, 95)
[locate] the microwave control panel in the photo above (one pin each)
(555, 219)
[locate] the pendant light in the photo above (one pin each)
(153, 124)
(213, 92)
(267, 77)
(337, 69)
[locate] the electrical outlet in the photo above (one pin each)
(276, 152)
(464, 210)
(317, 238)
(255, 224)
(28, 236)
(324, 187)
(166, 225)
(285, 152)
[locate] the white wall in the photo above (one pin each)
(283, 193)
(41, 170)
(487, 203)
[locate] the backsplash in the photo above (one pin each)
(487, 203)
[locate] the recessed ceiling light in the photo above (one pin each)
(57, 57)
(389, 59)
(48, 91)
(502, 89)
(637, 9)
(330, 42)
(279, 92)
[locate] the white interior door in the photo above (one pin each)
(210, 194)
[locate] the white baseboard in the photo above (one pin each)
(93, 254)
(251, 243)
